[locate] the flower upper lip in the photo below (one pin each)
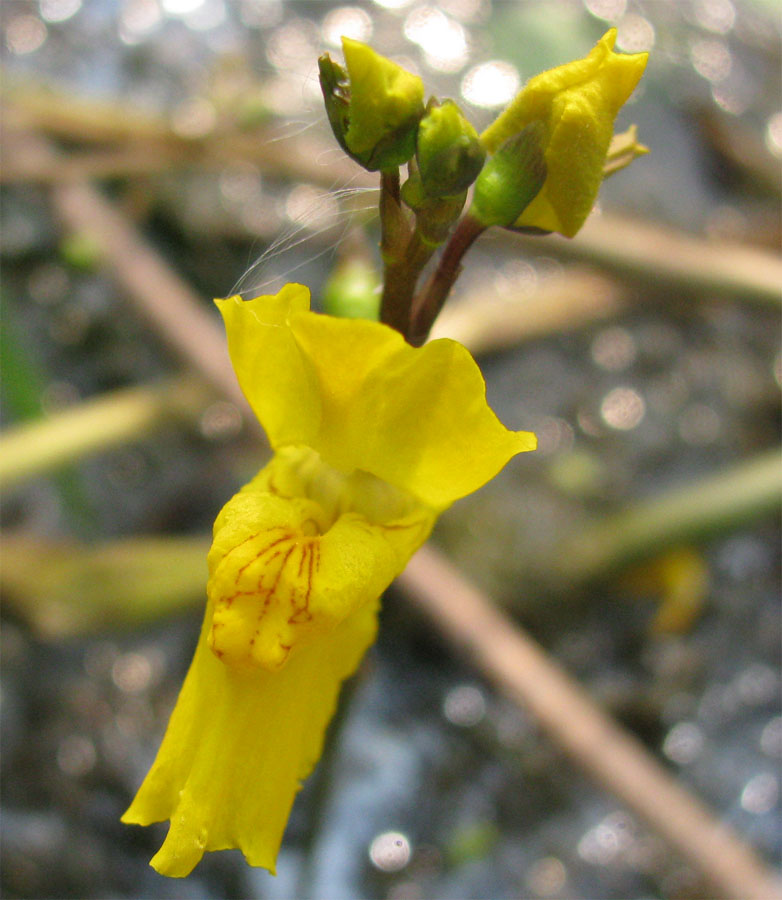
(356, 393)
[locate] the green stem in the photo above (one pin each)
(401, 279)
(124, 415)
(395, 237)
(695, 512)
(393, 234)
(429, 302)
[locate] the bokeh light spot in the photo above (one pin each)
(760, 794)
(711, 59)
(393, 4)
(491, 84)
(614, 349)
(774, 134)
(181, 7)
(634, 34)
(684, 743)
(464, 706)
(76, 755)
(622, 409)
(138, 19)
(547, 877)
(25, 34)
(715, 15)
(132, 673)
(390, 851)
(350, 21)
(608, 10)
(442, 39)
(58, 10)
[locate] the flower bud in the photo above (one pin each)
(352, 291)
(510, 179)
(449, 152)
(577, 104)
(373, 106)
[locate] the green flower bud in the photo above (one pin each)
(449, 152)
(510, 179)
(352, 290)
(434, 216)
(373, 106)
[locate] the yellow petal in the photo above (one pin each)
(372, 438)
(238, 745)
(577, 102)
(298, 550)
(299, 559)
(361, 397)
(267, 361)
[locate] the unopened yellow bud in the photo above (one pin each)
(577, 104)
(373, 106)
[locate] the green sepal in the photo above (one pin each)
(511, 178)
(336, 97)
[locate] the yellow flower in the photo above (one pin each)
(372, 440)
(577, 103)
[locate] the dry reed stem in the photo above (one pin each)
(492, 319)
(668, 259)
(614, 758)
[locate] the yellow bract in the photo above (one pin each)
(577, 103)
(372, 439)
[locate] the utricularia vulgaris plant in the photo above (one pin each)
(374, 432)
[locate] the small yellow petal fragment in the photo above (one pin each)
(623, 149)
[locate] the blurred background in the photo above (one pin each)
(158, 153)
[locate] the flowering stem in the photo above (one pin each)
(395, 233)
(401, 280)
(405, 252)
(393, 227)
(430, 300)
